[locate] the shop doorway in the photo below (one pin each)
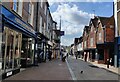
(27, 52)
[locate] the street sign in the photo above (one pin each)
(61, 33)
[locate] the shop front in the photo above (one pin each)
(105, 52)
(17, 40)
(49, 48)
(117, 52)
(41, 47)
(92, 52)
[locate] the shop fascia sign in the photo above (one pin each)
(24, 25)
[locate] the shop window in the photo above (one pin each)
(11, 49)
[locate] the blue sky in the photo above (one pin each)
(75, 15)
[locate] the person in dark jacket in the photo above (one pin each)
(49, 55)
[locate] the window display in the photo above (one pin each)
(11, 49)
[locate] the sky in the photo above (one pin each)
(76, 14)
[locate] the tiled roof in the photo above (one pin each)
(86, 29)
(104, 20)
(95, 21)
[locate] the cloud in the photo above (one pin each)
(60, 1)
(73, 20)
(67, 41)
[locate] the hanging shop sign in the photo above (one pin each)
(61, 33)
(50, 43)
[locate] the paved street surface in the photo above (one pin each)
(90, 72)
(69, 70)
(51, 70)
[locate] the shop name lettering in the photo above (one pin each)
(24, 25)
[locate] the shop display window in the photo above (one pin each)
(11, 49)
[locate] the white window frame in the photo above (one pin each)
(31, 13)
(15, 5)
(44, 28)
(85, 44)
(20, 7)
(100, 36)
(40, 28)
(41, 3)
(91, 42)
(45, 10)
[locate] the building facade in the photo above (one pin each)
(27, 35)
(117, 32)
(56, 41)
(105, 39)
(92, 39)
(85, 42)
(42, 30)
(98, 40)
(17, 37)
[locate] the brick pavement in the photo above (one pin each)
(51, 70)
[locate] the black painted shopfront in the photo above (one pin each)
(17, 44)
(41, 47)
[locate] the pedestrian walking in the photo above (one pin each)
(76, 55)
(108, 62)
(111, 61)
(67, 55)
(49, 55)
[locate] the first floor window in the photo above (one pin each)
(91, 42)
(15, 5)
(100, 35)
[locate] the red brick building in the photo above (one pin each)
(92, 38)
(105, 39)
